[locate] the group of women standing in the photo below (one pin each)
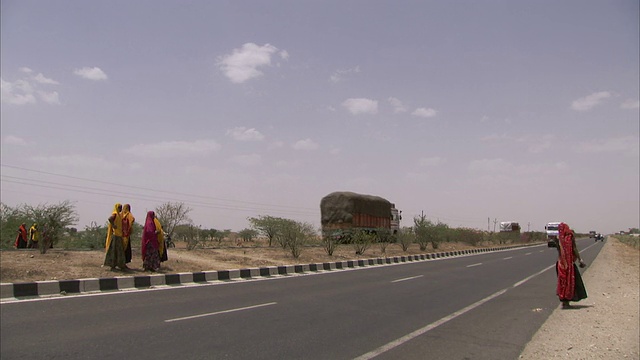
(118, 244)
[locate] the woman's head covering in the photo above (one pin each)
(126, 208)
(149, 230)
(565, 232)
(149, 220)
(117, 208)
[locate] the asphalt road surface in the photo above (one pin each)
(485, 306)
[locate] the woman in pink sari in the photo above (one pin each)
(150, 245)
(570, 286)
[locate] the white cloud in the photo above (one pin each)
(588, 102)
(94, 73)
(24, 91)
(431, 161)
(630, 104)
(361, 106)
(306, 144)
(627, 145)
(398, 107)
(284, 55)
(424, 112)
(17, 93)
(44, 80)
(14, 140)
(174, 149)
(338, 75)
(247, 160)
(243, 63)
(49, 97)
(243, 134)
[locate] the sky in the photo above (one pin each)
(469, 112)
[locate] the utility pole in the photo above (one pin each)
(488, 224)
(495, 221)
(529, 226)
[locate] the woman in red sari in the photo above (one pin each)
(21, 239)
(150, 246)
(570, 286)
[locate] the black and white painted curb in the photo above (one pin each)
(12, 291)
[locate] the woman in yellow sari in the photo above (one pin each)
(127, 228)
(162, 249)
(114, 245)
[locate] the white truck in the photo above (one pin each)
(552, 230)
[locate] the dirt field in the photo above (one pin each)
(56, 264)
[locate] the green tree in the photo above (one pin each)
(248, 234)
(10, 220)
(192, 236)
(221, 235)
(330, 242)
(52, 220)
(384, 238)
(424, 231)
(406, 237)
(267, 226)
(294, 235)
(361, 240)
(93, 236)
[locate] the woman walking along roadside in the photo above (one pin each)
(570, 286)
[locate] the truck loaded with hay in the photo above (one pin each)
(344, 212)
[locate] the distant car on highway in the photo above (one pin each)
(599, 237)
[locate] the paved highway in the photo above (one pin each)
(484, 306)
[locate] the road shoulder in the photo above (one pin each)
(603, 326)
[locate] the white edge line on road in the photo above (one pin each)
(220, 312)
(402, 340)
(425, 329)
(507, 258)
(409, 278)
(472, 265)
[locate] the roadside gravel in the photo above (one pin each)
(606, 324)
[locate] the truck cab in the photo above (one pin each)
(396, 216)
(552, 230)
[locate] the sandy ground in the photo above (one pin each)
(606, 324)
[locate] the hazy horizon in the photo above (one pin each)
(472, 112)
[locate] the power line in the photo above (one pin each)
(96, 191)
(156, 190)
